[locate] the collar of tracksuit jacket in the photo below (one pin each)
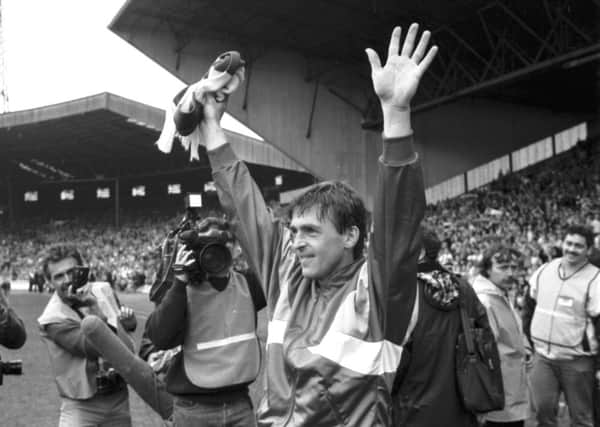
(338, 278)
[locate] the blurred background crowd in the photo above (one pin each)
(527, 210)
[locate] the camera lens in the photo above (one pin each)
(214, 258)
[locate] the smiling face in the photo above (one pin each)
(60, 275)
(575, 249)
(320, 248)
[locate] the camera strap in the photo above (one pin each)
(255, 288)
(168, 255)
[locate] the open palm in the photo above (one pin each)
(397, 81)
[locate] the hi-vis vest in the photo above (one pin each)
(221, 347)
(75, 376)
(560, 327)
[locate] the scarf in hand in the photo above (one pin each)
(224, 76)
(440, 287)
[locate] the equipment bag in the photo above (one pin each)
(478, 372)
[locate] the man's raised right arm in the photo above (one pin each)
(256, 229)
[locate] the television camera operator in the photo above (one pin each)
(209, 309)
(92, 392)
(159, 359)
(12, 334)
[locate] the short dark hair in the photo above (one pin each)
(57, 253)
(338, 202)
(499, 252)
(582, 231)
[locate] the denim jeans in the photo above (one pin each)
(575, 378)
(110, 410)
(232, 413)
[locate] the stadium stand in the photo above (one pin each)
(527, 208)
(126, 256)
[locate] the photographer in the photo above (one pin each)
(12, 330)
(210, 310)
(92, 393)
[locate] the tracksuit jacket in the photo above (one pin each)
(333, 346)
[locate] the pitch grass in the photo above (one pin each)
(31, 400)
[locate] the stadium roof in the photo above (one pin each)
(515, 50)
(103, 136)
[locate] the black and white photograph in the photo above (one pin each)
(362, 213)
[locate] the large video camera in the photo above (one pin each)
(79, 277)
(209, 247)
(12, 367)
(207, 240)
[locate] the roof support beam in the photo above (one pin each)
(525, 27)
(312, 109)
(568, 22)
(515, 49)
(128, 176)
(508, 77)
(347, 101)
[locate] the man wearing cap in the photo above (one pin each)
(425, 389)
(493, 284)
(211, 313)
(565, 330)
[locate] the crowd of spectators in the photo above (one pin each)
(127, 257)
(528, 210)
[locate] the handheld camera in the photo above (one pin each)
(207, 239)
(11, 367)
(209, 245)
(109, 381)
(79, 277)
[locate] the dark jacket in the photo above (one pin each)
(12, 330)
(166, 329)
(333, 345)
(425, 391)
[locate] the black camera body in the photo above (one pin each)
(208, 240)
(11, 367)
(210, 249)
(79, 277)
(109, 381)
